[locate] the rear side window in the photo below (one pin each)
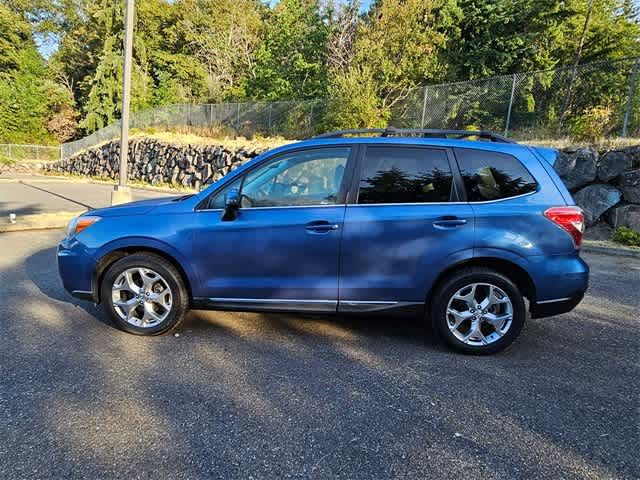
(492, 175)
(405, 175)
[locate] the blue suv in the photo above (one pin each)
(456, 227)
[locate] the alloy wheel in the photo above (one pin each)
(141, 297)
(479, 314)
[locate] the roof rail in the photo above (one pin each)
(412, 132)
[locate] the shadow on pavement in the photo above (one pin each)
(49, 283)
(240, 395)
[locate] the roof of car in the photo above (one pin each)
(505, 147)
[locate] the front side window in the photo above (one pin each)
(393, 174)
(493, 176)
(310, 177)
(217, 201)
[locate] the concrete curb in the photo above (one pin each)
(615, 250)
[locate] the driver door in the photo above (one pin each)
(281, 251)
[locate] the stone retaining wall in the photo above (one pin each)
(605, 184)
(157, 162)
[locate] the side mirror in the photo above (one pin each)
(231, 205)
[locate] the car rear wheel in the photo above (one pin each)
(478, 311)
(144, 294)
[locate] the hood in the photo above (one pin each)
(139, 207)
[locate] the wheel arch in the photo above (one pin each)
(508, 268)
(109, 258)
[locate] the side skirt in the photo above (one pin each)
(310, 306)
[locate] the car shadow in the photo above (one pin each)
(41, 267)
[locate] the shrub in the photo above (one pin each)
(626, 236)
(593, 124)
(6, 161)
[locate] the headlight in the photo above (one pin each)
(78, 224)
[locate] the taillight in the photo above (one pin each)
(570, 219)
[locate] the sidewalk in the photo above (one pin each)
(42, 202)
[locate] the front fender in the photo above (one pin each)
(148, 243)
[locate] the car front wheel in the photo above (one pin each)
(478, 311)
(144, 294)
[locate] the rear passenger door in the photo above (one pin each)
(509, 203)
(404, 223)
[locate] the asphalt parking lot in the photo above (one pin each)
(35, 195)
(281, 396)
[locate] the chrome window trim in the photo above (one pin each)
(376, 204)
(442, 203)
(279, 207)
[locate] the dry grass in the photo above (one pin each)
(604, 144)
(208, 136)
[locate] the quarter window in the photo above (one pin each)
(405, 175)
(493, 176)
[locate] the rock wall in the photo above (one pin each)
(157, 162)
(605, 184)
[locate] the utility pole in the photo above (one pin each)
(122, 193)
(508, 120)
(632, 92)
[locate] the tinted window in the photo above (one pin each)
(492, 176)
(405, 175)
(310, 177)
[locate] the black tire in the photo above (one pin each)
(178, 291)
(458, 280)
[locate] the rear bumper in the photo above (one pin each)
(548, 308)
(560, 283)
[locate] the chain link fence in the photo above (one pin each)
(25, 152)
(289, 119)
(595, 99)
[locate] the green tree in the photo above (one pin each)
(104, 87)
(290, 61)
(27, 92)
(90, 57)
(613, 31)
(222, 36)
(398, 45)
(505, 36)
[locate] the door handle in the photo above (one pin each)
(448, 222)
(321, 226)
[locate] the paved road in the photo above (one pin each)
(279, 396)
(34, 195)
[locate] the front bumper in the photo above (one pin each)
(75, 267)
